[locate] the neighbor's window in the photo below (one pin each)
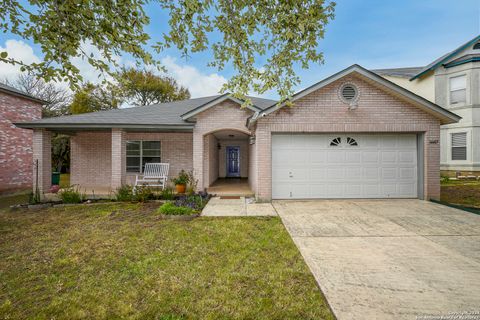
(458, 89)
(459, 146)
(141, 152)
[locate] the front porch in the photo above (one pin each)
(237, 187)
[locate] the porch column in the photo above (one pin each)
(118, 158)
(42, 160)
(198, 158)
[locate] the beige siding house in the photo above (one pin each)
(352, 135)
(452, 82)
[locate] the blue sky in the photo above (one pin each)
(372, 33)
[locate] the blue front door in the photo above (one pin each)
(233, 161)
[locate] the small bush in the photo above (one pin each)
(124, 193)
(182, 178)
(444, 179)
(71, 195)
(143, 194)
(195, 202)
(171, 209)
(168, 194)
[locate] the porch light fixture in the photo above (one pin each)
(231, 135)
(219, 146)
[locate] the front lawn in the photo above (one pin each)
(123, 261)
(462, 192)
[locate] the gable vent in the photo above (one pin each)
(349, 93)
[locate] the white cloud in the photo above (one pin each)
(20, 51)
(199, 84)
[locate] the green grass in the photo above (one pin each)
(462, 192)
(9, 200)
(122, 261)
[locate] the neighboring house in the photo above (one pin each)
(453, 82)
(351, 135)
(16, 160)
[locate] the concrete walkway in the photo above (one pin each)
(393, 259)
(241, 206)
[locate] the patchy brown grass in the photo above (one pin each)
(122, 261)
(465, 193)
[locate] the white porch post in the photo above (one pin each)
(118, 158)
(42, 159)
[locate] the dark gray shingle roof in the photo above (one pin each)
(407, 72)
(163, 114)
(16, 92)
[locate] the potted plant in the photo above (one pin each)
(181, 181)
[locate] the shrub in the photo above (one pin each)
(192, 183)
(195, 202)
(444, 179)
(143, 194)
(171, 209)
(168, 194)
(124, 193)
(71, 195)
(181, 179)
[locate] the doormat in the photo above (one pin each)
(229, 197)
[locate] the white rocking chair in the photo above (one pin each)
(154, 175)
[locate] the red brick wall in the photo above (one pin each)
(16, 160)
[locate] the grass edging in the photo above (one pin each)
(473, 210)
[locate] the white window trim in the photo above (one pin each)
(467, 91)
(468, 146)
(141, 155)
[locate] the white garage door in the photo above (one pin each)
(344, 166)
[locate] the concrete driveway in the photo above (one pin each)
(388, 259)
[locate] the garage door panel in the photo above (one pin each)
(370, 156)
(367, 166)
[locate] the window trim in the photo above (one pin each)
(450, 90)
(464, 146)
(141, 154)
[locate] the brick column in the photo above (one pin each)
(198, 149)
(42, 152)
(118, 158)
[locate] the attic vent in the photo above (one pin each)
(349, 93)
(476, 46)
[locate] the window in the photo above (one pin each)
(458, 89)
(141, 152)
(352, 142)
(335, 142)
(459, 146)
(476, 46)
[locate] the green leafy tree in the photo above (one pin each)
(142, 87)
(91, 97)
(262, 40)
(60, 152)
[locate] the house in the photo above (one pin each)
(16, 160)
(452, 82)
(351, 135)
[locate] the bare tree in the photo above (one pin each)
(57, 96)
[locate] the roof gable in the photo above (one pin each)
(227, 96)
(14, 91)
(444, 115)
(444, 58)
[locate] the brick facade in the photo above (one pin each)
(323, 111)
(16, 161)
(225, 116)
(98, 158)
